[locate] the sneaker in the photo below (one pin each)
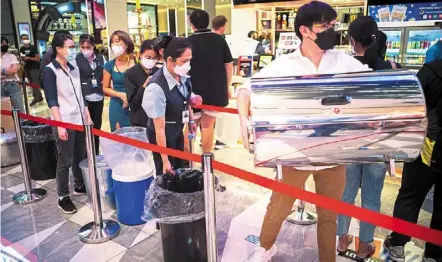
(78, 191)
(344, 243)
(219, 145)
(395, 253)
(66, 205)
(365, 250)
(262, 255)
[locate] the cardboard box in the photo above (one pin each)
(6, 121)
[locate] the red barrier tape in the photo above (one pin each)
(204, 107)
(395, 224)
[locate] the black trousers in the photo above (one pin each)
(33, 75)
(174, 142)
(417, 180)
(96, 112)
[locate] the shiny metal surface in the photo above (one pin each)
(338, 119)
(98, 231)
(9, 149)
(302, 217)
(29, 195)
(105, 183)
(209, 201)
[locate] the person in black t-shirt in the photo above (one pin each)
(211, 73)
(31, 58)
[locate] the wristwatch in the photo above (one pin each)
(3, 71)
(191, 122)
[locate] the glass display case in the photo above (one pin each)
(419, 40)
(142, 23)
(394, 44)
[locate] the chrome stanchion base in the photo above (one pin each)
(22, 198)
(302, 217)
(92, 234)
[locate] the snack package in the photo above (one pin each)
(384, 14)
(398, 14)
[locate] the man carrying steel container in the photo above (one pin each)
(315, 24)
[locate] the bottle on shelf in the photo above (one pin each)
(291, 21)
(284, 22)
(278, 22)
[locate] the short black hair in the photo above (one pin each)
(58, 41)
(312, 13)
(66, 32)
(200, 19)
(87, 38)
(175, 47)
(219, 21)
(147, 45)
(24, 35)
(125, 37)
(3, 38)
(251, 33)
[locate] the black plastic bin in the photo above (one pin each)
(178, 203)
(40, 150)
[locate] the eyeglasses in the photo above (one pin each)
(325, 26)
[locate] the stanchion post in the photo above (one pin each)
(209, 200)
(191, 136)
(30, 195)
(99, 230)
(25, 93)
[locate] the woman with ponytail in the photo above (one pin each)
(369, 177)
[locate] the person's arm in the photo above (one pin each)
(352, 64)
(154, 104)
(134, 93)
(228, 63)
(35, 57)
(12, 69)
(107, 78)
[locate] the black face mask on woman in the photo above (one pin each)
(326, 40)
(4, 48)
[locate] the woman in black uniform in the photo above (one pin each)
(166, 102)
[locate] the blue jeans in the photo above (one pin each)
(11, 89)
(370, 177)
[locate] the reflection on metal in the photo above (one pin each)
(338, 119)
(99, 230)
(209, 200)
(30, 195)
(300, 216)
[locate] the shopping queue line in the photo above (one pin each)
(388, 222)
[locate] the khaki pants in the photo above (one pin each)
(328, 182)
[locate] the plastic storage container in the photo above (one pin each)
(40, 149)
(105, 183)
(132, 171)
(129, 197)
(177, 201)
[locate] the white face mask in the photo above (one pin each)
(148, 63)
(87, 53)
(118, 50)
(72, 53)
(182, 70)
(26, 42)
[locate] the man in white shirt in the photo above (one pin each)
(315, 27)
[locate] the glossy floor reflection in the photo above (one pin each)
(40, 232)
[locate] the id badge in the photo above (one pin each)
(186, 116)
(94, 83)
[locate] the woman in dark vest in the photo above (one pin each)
(136, 80)
(91, 65)
(166, 102)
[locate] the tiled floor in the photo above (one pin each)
(40, 232)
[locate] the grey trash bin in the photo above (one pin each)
(105, 182)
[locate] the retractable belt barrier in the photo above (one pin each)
(363, 214)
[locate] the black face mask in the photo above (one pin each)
(5, 48)
(326, 40)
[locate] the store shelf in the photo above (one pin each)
(285, 30)
(393, 50)
(417, 51)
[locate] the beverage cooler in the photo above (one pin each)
(408, 45)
